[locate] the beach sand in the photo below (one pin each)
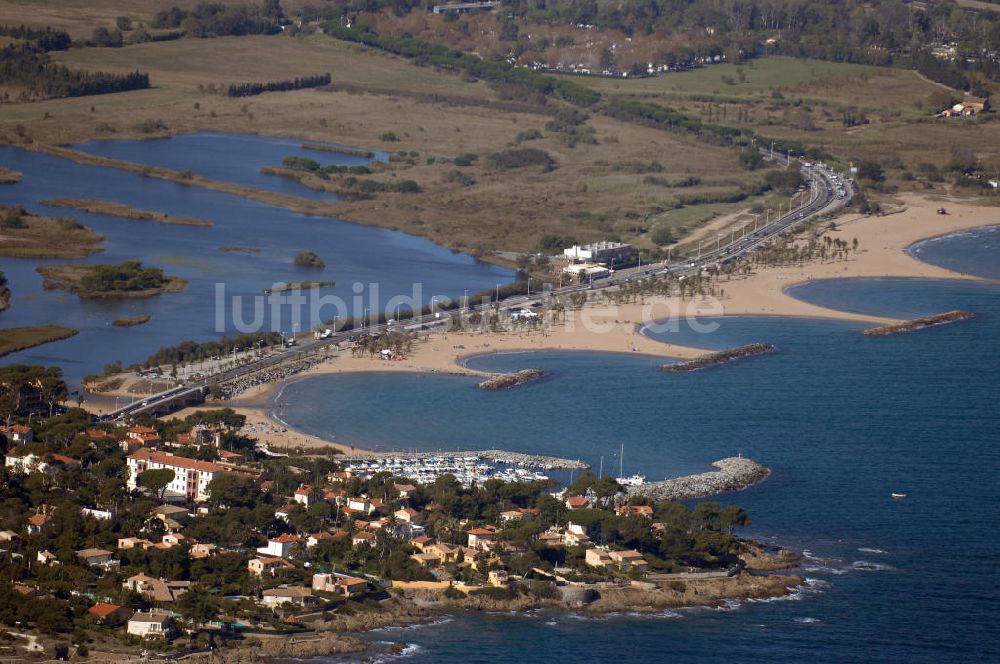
(883, 243)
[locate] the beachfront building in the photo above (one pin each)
(191, 476)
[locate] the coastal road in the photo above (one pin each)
(827, 193)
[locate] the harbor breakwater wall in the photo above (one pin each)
(712, 359)
(494, 456)
(918, 323)
(509, 380)
(733, 474)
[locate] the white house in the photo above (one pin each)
(191, 476)
(300, 596)
(304, 495)
(22, 461)
(151, 625)
(281, 546)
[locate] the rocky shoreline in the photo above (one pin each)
(734, 474)
(919, 323)
(507, 381)
(712, 359)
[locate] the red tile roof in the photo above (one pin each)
(177, 461)
(103, 609)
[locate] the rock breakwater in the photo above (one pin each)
(507, 381)
(722, 356)
(734, 474)
(918, 323)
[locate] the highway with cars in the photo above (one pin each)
(827, 193)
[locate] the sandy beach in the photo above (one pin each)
(883, 242)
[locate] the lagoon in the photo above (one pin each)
(383, 263)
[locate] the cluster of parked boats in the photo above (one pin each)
(424, 470)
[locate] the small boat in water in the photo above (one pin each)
(898, 496)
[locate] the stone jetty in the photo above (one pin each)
(507, 381)
(711, 359)
(734, 474)
(918, 323)
(494, 456)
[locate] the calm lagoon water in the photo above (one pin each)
(843, 420)
(234, 158)
(385, 263)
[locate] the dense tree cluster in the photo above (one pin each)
(45, 39)
(125, 277)
(210, 19)
(297, 83)
(495, 71)
(29, 67)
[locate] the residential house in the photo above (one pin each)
(635, 510)
(261, 565)
(201, 551)
(404, 490)
(420, 542)
(446, 554)
(498, 578)
(551, 539)
(8, 536)
(304, 495)
(191, 476)
(106, 613)
(171, 513)
(158, 590)
(154, 624)
(36, 523)
(125, 543)
(97, 558)
(144, 436)
(482, 539)
(297, 595)
(46, 557)
(629, 560)
(18, 433)
(363, 537)
(324, 537)
(426, 559)
(21, 460)
(282, 513)
(577, 503)
(406, 514)
(598, 558)
(341, 584)
(280, 546)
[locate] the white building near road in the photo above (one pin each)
(191, 476)
(601, 252)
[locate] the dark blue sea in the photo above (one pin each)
(843, 420)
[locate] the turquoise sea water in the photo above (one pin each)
(842, 420)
